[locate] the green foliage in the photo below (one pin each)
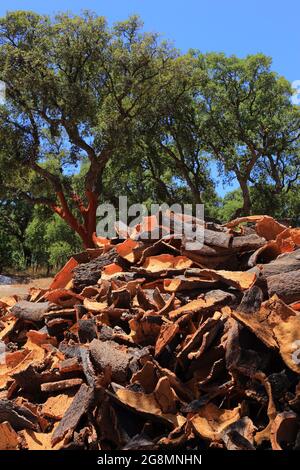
(14, 218)
(50, 241)
(60, 241)
(11, 253)
(59, 252)
(35, 233)
(283, 206)
(229, 205)
(252, 129)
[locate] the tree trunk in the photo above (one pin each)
(181, 166)
(27, 254)
(86, 229)
(196, 196)
(247, 205)
(193, 187)
(246, 209)
(90, 222)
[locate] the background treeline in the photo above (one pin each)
(94, 112)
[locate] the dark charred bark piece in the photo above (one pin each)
(19, 417)
(239, 435)
(28, 379)
(69, 349)
(285, 285)
(87, 274)
(107, 424)
(80, 310)
(251, 301)
(138, 357)
(87, 367)
(244, 352)
(110, 354)
(30, 311)
(80, 406)
(280, 383)
(121, 298)
(144, 301)
(105, 332)
(87, 330)
(57, 326)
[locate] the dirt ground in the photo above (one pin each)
(21, 289)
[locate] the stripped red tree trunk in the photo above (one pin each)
(87, 227)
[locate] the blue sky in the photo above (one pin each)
(233, 26)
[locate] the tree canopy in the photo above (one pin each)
(75, 90)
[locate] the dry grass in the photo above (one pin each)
(23, 285)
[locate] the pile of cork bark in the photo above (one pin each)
(148, 343)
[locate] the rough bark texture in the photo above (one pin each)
(283, 264)
(79, 407)
(110, 354)
(30, 311)
(87, 274)
(18, 416)
(285, 285)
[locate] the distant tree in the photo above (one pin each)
(35, 242)
(252, 128)
(284, 206)
(229, 205)
(15, 215)
(173, 133)
(50, 240)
